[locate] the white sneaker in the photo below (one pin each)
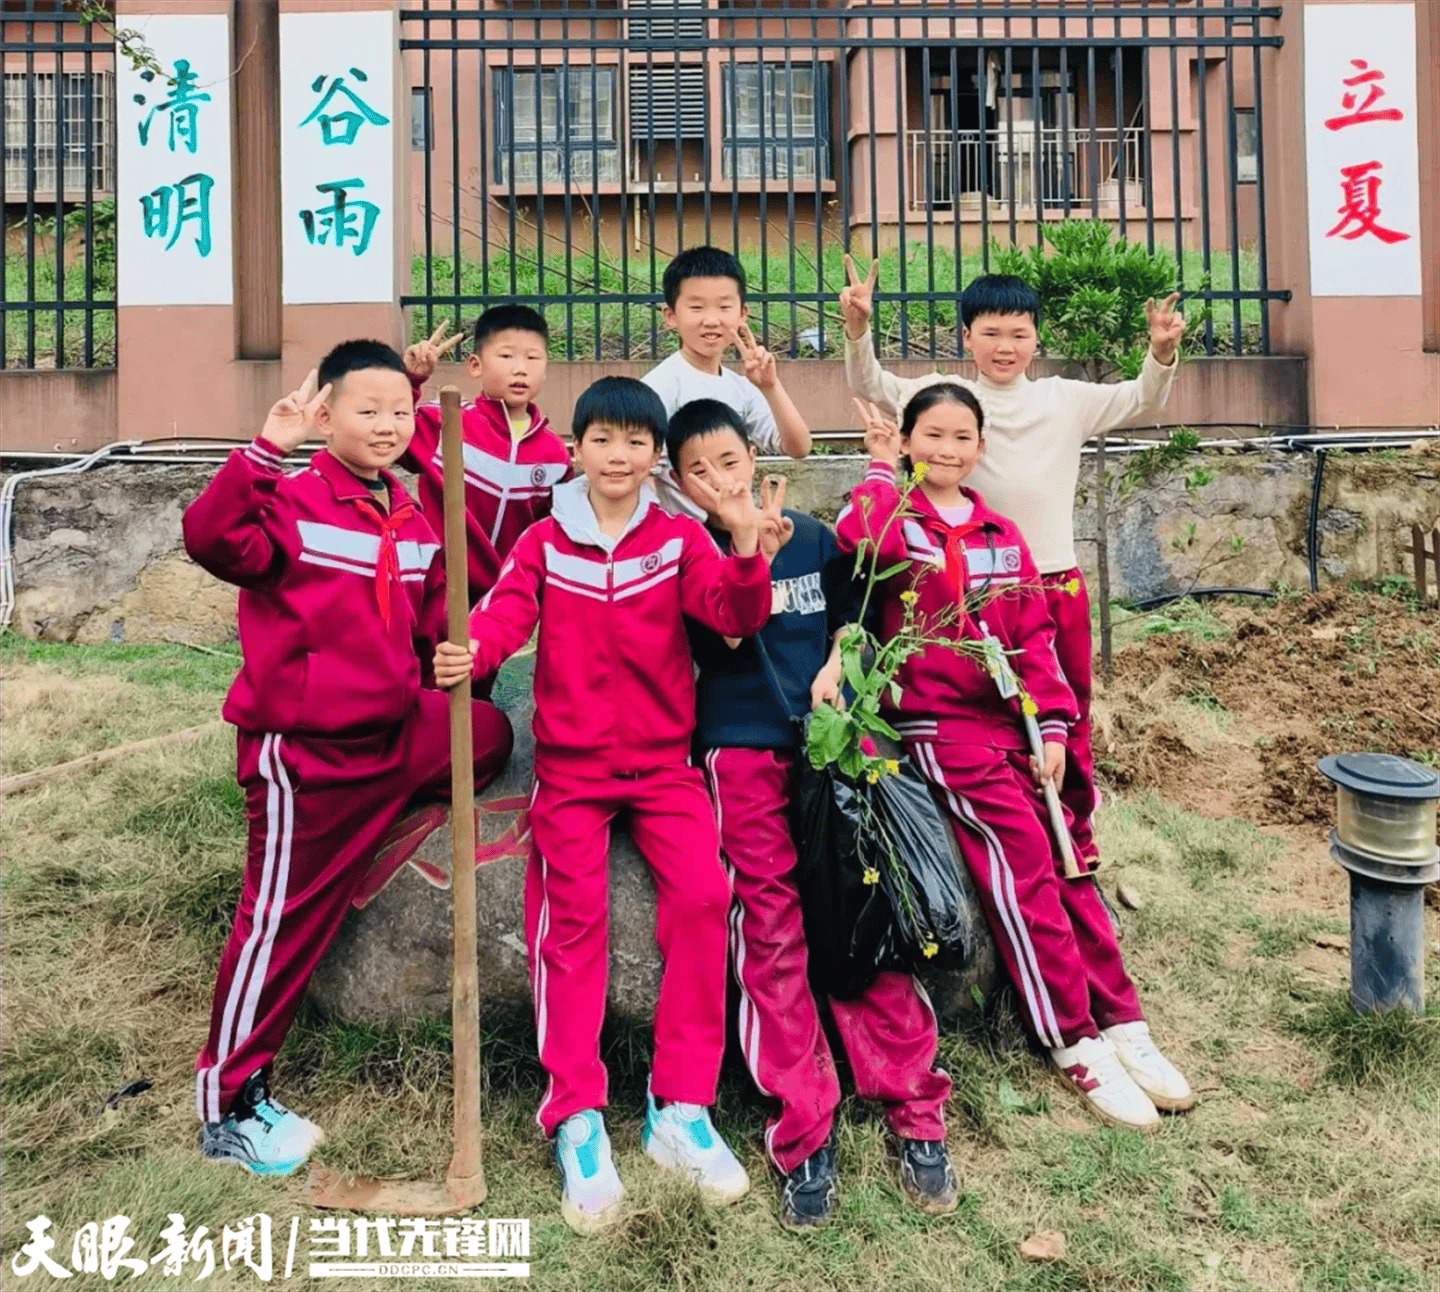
(680, 1138)
(1092, 1068)
(1151, 1070)
(590, 1188)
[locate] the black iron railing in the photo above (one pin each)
(57, 190)
(572, 148)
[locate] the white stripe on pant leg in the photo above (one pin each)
(539, 981)
(1030, 984)
(930, 765)
(277, 901)
(210, 1109)
(1027, 947)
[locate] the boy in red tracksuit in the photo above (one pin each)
(342, 603)
(962, 725)
(512, 457)
(609, 577)
(748, 693)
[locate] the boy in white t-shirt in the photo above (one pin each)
(705, 306)
(1034, 430)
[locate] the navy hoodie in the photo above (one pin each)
(812, 596)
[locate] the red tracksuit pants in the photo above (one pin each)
(889, 1032)
(1053, 934)
(317, 807)
(1071, 613)
(567, 920)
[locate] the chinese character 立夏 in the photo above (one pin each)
(183, 106)
(100, 1249)
(1355, 116)
(240, 1243)
(1361, 205)
(340, 217)
(180, 1251)
(36, 1250)
(168, 208)
(342, 127)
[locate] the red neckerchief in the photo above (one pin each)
(387, 559)
(954, 544)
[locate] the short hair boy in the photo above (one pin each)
(610, 577)
(1034, 430)
(512, 457)
(705, 306)
(747, 697)
(342, 602)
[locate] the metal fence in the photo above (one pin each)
(57, 189)
(564, 151)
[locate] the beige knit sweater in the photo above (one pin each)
(1033, 434)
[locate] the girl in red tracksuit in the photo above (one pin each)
(340, 729)
(963, 727)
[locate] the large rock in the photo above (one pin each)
(392, 959)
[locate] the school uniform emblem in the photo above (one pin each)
(650, 563)
(537, 475)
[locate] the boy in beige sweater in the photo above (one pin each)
(1034, 430)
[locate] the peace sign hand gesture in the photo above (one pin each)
(759, 362)
(1167, 328)
(857, 298)
(730, 503)
(421, 358)
(882, 436)
(776, 528)
(290, 421)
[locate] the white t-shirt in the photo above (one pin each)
(677, 381)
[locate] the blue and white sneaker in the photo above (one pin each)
(680, 1138)
(260, 1133)
(590, 1188)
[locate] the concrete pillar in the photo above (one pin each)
(210, 368)
(1368, 366)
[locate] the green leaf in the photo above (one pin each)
(878, 725)
(852, 762)
(896, 691)
(1010, 1101)
(892, 571)
(828, 735)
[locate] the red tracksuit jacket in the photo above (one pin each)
(614, 682)
(945, 696)
(507, 480)
(332, 645)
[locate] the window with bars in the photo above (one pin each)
(72, 115)
(777, 121)
(675, 26)
(557, 126)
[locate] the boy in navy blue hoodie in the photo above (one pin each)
(746, 693)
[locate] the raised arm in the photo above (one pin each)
(1141, 401)
(729, 595)
(230, 529)
(866, 377)
(507, 614)
(777, 419)
(872, 514)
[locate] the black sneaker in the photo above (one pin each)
(927, 1176)
(810, 1195)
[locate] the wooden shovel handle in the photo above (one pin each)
(465, 1165)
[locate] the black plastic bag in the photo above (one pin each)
(855, 929)
(932, 898)
(850, 930)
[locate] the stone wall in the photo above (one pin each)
(98, 557)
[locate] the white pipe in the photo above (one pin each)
(7, 499)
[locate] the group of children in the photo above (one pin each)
(681, 631)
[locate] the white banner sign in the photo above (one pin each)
(337, 158)
(1362, 158)
(173, 183)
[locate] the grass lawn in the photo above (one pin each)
(1309, 1163)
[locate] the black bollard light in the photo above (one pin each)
(1385, 838)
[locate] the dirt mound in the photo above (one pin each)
(1237, 724)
